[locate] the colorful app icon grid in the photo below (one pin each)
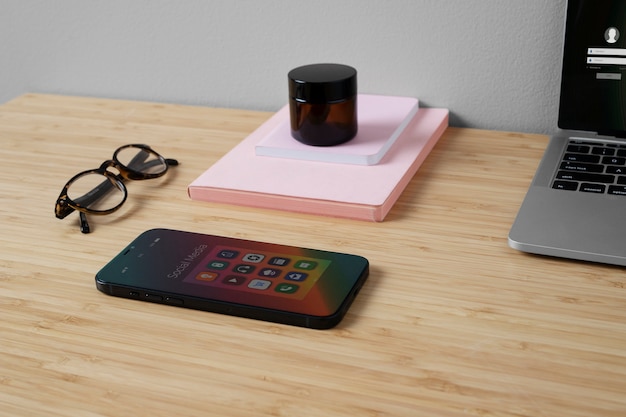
(261, 272)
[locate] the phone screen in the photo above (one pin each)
(287, 284)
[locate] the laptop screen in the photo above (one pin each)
(593, 84)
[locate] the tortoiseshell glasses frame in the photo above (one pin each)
(101, 191)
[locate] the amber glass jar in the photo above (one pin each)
(323, 104)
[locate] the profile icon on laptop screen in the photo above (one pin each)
(611, 35)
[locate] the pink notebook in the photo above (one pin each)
(365, 192)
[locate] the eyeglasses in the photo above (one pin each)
(100, 191)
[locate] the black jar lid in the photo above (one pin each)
(322, 83)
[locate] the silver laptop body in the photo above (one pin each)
(576, 204)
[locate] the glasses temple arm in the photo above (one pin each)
(98, 192)
(84, 224)
(137, 163)
(105, 186)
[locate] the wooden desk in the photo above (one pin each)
(452, 322)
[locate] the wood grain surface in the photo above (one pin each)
(452, 322)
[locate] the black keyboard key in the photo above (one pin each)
(621, 180)
(581, 167)
(578, 148)
(621, 152)
(585, 176)
(565, 185)
(613, 160)
(603, 151)
(576, 157)
(617, 189)
(592, 188)
(615, 170)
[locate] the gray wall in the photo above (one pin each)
(494, 63)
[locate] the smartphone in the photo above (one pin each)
(283, 284)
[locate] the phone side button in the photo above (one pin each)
(154, 298)
(174, 301)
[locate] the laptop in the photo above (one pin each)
(576, 204)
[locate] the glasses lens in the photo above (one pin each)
(141, 160)
(96, 192)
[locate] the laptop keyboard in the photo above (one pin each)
(592, 167)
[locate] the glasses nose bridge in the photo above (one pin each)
(110, 163)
